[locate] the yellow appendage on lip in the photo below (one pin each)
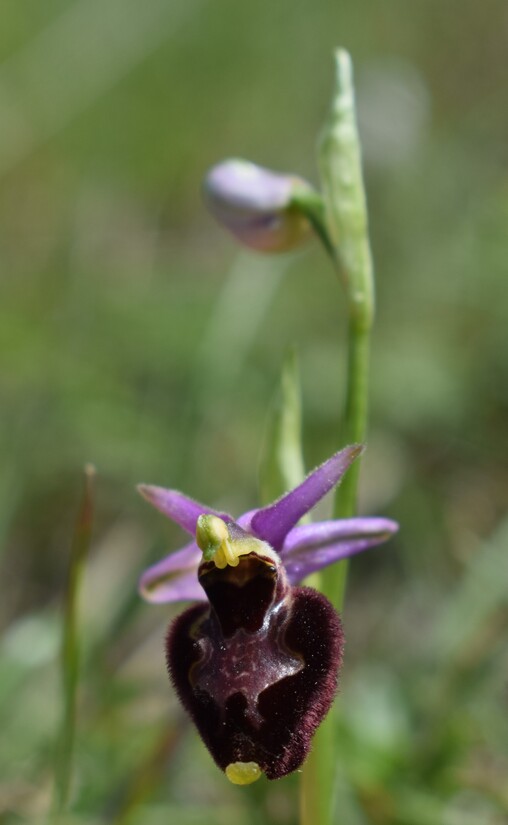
(243, 773)
(212, 537)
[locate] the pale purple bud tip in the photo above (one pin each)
(256, 205)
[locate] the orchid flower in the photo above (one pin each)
(256, 665)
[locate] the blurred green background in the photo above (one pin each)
(135, 335)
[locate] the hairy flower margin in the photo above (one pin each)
(303, 549)
(256, 664)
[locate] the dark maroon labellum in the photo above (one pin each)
(256, 667)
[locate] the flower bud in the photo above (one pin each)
(257, 205)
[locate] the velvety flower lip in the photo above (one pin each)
(303, 549)
(255, 663)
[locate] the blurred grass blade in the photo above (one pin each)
(74, 60)
(150, 772)
(226, 344)
(481, 593)
(232, 331)
(282, 465)
(70, 646)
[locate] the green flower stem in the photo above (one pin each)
(317, 783)
(310, 203)
(347, 229)
(347, 224)
(70, 650)
(355, 431)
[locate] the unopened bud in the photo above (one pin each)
(258, 206)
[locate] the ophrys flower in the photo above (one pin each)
(256, 665)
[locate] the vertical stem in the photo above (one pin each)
(347, 228)
(70, 649)
(317, 783)
(355, 415)
(347, 225)
(355, 431)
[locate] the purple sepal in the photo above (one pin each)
(174, 578)
(273, 523)
(181, 509)
(237, 189)
(311, 547)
